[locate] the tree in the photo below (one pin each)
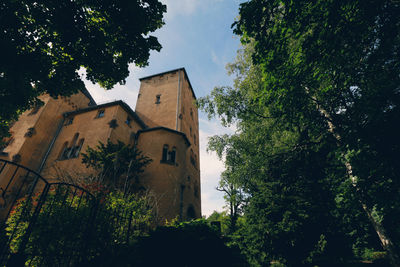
(341, 60)
(44, 43)
(277, 161)
(234, 197)
(231, 179)
(284, 170)
(119, 165)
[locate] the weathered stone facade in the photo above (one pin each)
(48, 139)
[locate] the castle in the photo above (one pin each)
(49, 138)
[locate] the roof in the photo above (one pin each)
(158, 128)
(88, 95)
(166, 72)
(121, 103)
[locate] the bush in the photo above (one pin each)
(193, 243)
(71, 229)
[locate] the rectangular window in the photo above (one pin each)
(100, 113)
(128, 121)
(158, 97)
(168, 156)
(35, 109)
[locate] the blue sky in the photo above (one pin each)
(197, 35)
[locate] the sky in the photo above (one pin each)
(197, 35)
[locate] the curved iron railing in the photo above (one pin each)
(31, 200)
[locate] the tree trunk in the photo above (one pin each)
(386, 242)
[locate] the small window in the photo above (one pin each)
(113, 124)
(69, 121)
(194, 139)
(72, 151)
(100, 113)
(172, 155)
(31, 131)
(190, 131)
(128, 121)
(35, 109)
(64, 152)
(165, 153)
(77, 149)
(158, 97)
(74, 139)
(191, 113)
(168, 156)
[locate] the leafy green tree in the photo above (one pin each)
(333, 66)
(234, 197)
(293, 175)
(44, 43)
(119, 165)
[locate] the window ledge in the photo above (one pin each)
(168, 162)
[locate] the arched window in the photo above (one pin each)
(73, 150)
(168, 156)
(77, 149)
(74, 139)
(64, 151)
(190, 214)
(173, 155)
(165, 153)
(73, 143)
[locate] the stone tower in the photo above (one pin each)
(166, 104)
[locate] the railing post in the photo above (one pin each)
(19, 258)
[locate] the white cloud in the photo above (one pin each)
(215, 59)
(210, 167)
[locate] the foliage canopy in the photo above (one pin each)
(118, 164)
(44, 43)
(316, 103)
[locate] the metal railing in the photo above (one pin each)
(27, 200)
(46, 223)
